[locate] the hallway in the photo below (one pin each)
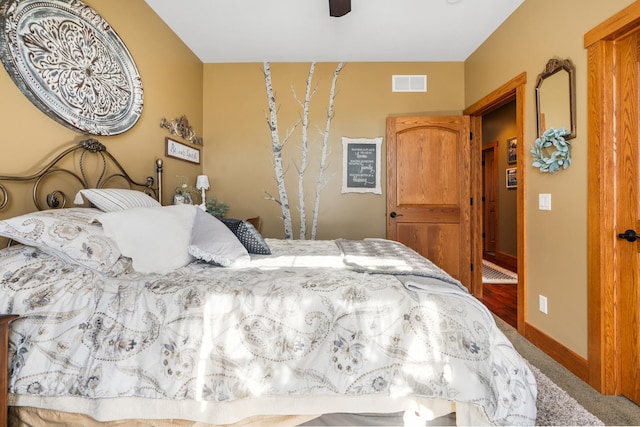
(502, 299)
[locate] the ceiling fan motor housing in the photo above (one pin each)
(339, 8)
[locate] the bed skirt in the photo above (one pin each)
(25, 416)
(440, 414)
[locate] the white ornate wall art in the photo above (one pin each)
(69, 62)
(361, 161)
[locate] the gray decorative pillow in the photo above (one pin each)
(66, 234)
(248, 236)
(211, 241)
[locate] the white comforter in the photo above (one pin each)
(296, 332)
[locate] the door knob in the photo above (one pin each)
(629, 235)
(394, 214)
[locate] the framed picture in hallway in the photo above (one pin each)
(512, 177)
(512, 150)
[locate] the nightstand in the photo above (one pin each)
(256, 222)
(4, 351)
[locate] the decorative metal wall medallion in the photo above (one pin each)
(71, 64)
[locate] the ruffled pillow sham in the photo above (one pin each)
(214, 242)
(68, 234)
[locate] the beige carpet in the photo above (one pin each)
(611, 410)
(557, 408)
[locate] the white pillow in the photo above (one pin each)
(116, 199)
(212, 241)
(156, 239)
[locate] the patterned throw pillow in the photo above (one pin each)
(66, 234)
(116, 199)
(248, 236)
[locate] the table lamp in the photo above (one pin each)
(202, 183)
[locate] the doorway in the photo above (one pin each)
(500, 240)
(499, 256)
(512, 91)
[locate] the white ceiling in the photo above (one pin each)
(303, 31)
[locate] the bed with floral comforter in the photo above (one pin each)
(314, 327)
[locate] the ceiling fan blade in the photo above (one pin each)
(339, 8)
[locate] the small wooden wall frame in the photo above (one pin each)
(181, 151)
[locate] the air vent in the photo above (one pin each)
(409, 83)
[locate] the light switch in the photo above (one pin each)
(544, 201)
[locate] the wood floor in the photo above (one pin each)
(502, 300)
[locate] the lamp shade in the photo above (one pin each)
(202, 182)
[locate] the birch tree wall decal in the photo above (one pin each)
(277, 145)
(325, 150)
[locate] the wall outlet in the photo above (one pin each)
(543, 303)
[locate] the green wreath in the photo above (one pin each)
(560, 158)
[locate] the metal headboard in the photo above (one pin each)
(58, 199)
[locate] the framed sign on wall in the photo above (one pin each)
(361, 159)
(181, 151)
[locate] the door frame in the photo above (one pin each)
(603, 334)
(514, 89)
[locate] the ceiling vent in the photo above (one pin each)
(409, 83)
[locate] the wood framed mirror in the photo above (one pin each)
(556, 97)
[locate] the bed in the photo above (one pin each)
(137, 313)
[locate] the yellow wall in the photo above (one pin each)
(172, 82)
(238, 156)
(556, 240)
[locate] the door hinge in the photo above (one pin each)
(484, 235)
(471, 136)
(471, 201)
(471, 266)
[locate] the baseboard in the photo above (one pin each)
(509, 261)
(561, 354)
(503, 260)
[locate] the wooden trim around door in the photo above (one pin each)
(604, 371)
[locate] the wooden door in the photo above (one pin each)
(628, 218)
(490, 197)
(428, 189)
